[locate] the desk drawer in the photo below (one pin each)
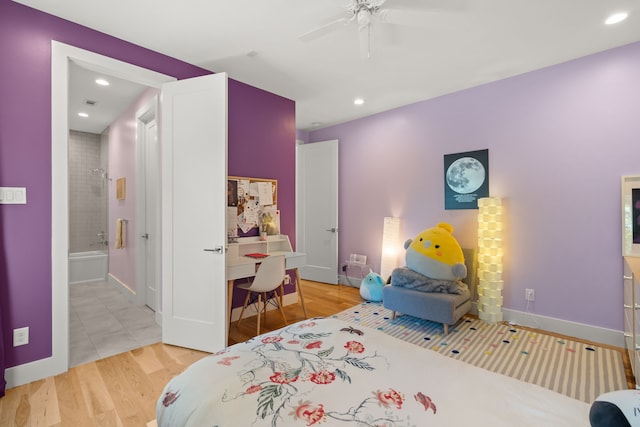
(295, 260)
(240, 271)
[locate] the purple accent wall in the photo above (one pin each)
(263, 130)
(559, 140)
(256, 118)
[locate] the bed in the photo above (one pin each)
(325, 372)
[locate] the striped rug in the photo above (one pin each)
(569, 367)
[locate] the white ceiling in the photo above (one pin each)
(459, 44)
(109, 101)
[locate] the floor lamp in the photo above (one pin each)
(490, 259)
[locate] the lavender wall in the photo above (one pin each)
(122, 164)
(25, 155)
(559, 140)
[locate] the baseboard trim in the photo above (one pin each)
(32, 371)
(124, 289)
(354, 282)
(564, 327)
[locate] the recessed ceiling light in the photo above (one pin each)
(102, 82)
(616, 17)
(83, 114)
(358, 101)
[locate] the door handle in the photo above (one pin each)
(145, 235)
(217, 249)
(333, 230)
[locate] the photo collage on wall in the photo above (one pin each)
(251, 207)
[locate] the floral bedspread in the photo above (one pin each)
(325, 372)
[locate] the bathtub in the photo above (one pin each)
(89, 266)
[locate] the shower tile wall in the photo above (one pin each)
(87, 192)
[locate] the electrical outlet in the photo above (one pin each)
(529, 294)
(287, 279)
(21, 336)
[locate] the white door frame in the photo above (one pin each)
(61, 55)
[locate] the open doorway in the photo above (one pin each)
(62, 57)
(106, 316)
(107, 312)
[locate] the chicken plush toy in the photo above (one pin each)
(434, 262)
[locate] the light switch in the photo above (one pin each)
(13, 195)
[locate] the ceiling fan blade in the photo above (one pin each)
(452, 5)
(323, 30)
(410, 17)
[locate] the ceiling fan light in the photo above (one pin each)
(616, 17)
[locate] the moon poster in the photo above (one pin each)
(466, 179)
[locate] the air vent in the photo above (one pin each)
(90, 102)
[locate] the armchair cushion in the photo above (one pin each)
(438, 307)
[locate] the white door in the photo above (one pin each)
(194, 175)
(152, 208)
(317, 210)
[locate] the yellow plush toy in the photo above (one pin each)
(435, 253)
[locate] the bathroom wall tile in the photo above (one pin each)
(87, 192)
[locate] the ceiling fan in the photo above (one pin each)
(366, 13)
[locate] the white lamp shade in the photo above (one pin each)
(391, 247)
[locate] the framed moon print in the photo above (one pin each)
(466, 179)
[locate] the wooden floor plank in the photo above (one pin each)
(94, 390)
(140, 386)
(23, 412)
(147, 360)
(9, 405)
(44, 402)
(119, 387)
(108, 419)
(73, 407)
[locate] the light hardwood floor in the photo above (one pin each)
(122, 390)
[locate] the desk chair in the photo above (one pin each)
(265, 283)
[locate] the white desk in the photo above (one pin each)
(240, 266)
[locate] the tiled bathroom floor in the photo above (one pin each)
(103, 322)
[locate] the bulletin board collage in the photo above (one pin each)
(252, 207)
